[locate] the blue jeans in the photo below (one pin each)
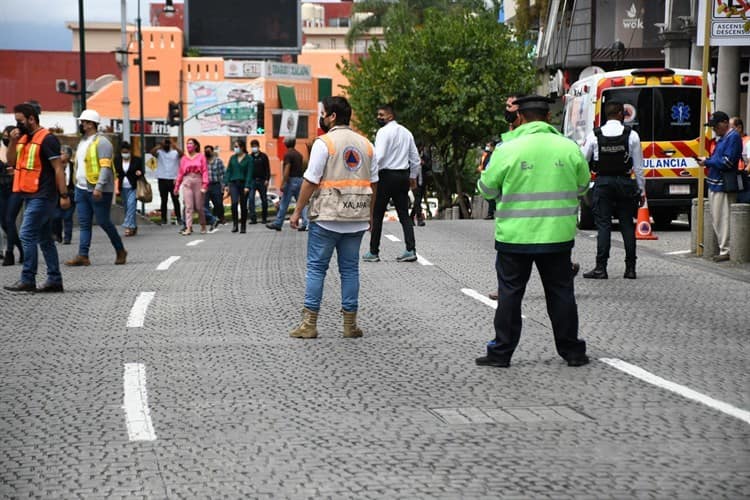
(291, 188)
(320, 245)
(36, 230)
(10, 206)
(215, 196)
(62, 223)
(258, 185)
(131, 205)
(88, 207)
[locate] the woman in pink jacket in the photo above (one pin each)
(193, 178)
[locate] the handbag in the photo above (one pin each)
(733, 181)
(143, 191)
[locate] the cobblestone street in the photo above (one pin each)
(196, 390)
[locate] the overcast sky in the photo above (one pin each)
(40, 24)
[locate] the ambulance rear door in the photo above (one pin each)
(667, 119)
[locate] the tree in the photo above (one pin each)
(447, 80)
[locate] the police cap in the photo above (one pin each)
(533, 102)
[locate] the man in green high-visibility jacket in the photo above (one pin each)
(536, 180)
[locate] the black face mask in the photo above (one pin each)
(22, 128)
(511, 116)
(208, 154)
(322, 125)
(6, 141)
(165, 146)
(381, 122)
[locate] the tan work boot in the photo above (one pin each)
(78, 260)
(351, 330)
(122, 256)
(308, 329)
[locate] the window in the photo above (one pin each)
(662, 113)
(151, 78)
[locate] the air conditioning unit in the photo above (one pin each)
(61, 85)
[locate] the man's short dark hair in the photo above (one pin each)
(290, 142)
(613, 108)
(125, 145)
(254, 142)
(27, 110)
(534, 115)
(339, 105)
(387, 108)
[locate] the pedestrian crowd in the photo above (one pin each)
(345, 191)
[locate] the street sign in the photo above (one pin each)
(150, 127)
(729, 23)
(237, 114)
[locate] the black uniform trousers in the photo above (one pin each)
(392, 184)
(513, 272)
(166, 190)
(615, 195)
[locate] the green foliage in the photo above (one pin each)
(447, 80)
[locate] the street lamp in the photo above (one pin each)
(168, 9)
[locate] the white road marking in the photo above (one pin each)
(165, 264)
(392, 238)
(135, 403)
(683, 391)
(482, 298)
(678, 252)
(138, 312)
(195, 242)
(423, 261)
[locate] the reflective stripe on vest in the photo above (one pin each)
(29, 163)
(344, 183)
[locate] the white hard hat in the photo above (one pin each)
(90, 115)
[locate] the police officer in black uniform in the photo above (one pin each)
(616, 152)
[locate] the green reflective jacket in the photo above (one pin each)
(536, 178)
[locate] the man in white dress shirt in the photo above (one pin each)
(616, 151)
(398, 167)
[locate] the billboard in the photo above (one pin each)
(223, 108)
(251, 27)
(633, 22)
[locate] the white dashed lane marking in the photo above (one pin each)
(138, 311)
(683, 391)
(195, 242)
(482, 298)
(135, 403)
(678, 252)
(423, 261)
(391, 237)
(165, 264)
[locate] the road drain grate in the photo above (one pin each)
(508, 415)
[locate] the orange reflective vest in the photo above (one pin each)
(29, 162)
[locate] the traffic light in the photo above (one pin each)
(261, 118)
(173, 114)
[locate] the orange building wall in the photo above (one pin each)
(162, 51)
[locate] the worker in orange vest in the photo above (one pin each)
(39, 179)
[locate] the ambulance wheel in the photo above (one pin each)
(585, 217)
(663, 218)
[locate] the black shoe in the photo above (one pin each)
(578, 361)
(50, 288)
(253, 221)
(9, 259)
(575, 268)
(235, 229)
(489, 217)
(20, 286)
(302, 229)
(66, 242)
(420, 223)
(273, 226)
(264, 221)
(629, 273)
(490, 361)
(598, 273)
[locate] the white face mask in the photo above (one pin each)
(126, 156)
(254, 150)
(237, 150)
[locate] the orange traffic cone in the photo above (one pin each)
(643, 225)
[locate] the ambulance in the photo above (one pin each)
(663, 106)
